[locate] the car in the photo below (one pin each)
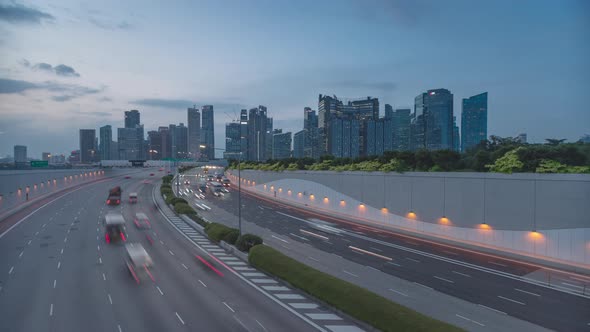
(132, 198)
(160, 170)
(151, 174)
(141, 221)
(114, 228)
(138, 261)
(127, 177)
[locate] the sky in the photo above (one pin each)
(67, 65)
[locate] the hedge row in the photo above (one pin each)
(218, 232)
(358, 302)
(247, 241)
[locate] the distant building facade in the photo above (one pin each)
(208, 132)
(194, 132)
(299, 144)
(281, 145)
(88, 149)
(474, 121)
(20, 154)
(105, 146)
(45, 156)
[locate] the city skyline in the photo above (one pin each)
(50, 87)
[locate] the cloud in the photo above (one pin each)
(109, 25)
(63, 70)
(164, 103)
(66, 91)
(60, 70)
(93, 114)
(16, 13)
(382, 86)
(104, 99)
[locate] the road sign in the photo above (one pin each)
(39, 163)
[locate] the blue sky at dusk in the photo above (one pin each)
(66, 65)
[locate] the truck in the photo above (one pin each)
(114, 228)
(114, 196)
(132, 198)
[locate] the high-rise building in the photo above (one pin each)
(344, 137)
(257, 122)
(132, 119)
(208, 132)
(474, 121)
(400, 123)
(244, 132)
(374, 136)
(45, 156)
(299, 144)
(181, 134)
(521, 138)
(233, 140)
(114, 150)
(106, 137)
(281, 145)
(20, 154)
(456, 136)
(327, 107)
(366, 108)
(194, 132)
(130, 143)
(154, 144)
(172, 136)
(88, 150)
(166, 142)
(388, 111)
(433, 120)
(269, 137)
(312, 146)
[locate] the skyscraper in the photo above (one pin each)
(88, 150)
(132, 119)
(106, 137)
(208, 132)
(244, 132)
(154, 145)
(401, 129)
(269, 137)
(433, 120)
(233, 140)
(456, 136)
(474, 121)
(257, 122)
(20, 154)
(327, 107)
(166, 142)
(344, 137)
(281, 145)
(130, 143)
(194, 132)
(181, 134)
(299, 143)
(310, 125)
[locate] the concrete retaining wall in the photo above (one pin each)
(542, 215)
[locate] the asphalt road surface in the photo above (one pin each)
(58, 274)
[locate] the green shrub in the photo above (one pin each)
(232, 236)
(167, 179)
(247, 241)
(217, 232)
(198, 220)
(175, 200)
(351, 299)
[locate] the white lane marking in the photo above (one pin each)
(278, 238)
(392, 263)
(470, 320)
(66, 239)
(58, 265)
(232, 310)
(352, 274)
(314, 234)
(110, 298)
(299, 237)
(11, 269)
(51, 310)
(44, 225)
(171, 253)
(28, 243)
(443, 279)
(21, 254)
(62, 251)
(499, 264)
(104, 277)
(202, 283)
(413, 260)
(511, 300)
(100, 260)
(161, 242)
(523, 291)
(370, 253)
(179, 318)
(496, 310)
(54, 283)
(159, 290)
(184, 266)
(462, 274)
(98, 247)
(313, 259)
(419, 284)
(36, 233)
(571, 285)
(97, 229)
(398, 292)
(119, 327)
(264, 328)
(578, 279)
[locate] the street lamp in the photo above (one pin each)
(239, 185)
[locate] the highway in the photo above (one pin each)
(58, 274)
(489, 281)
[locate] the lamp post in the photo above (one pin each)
(239, 186)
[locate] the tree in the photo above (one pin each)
(554, 141)
(508, 163)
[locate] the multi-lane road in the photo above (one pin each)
(493, 282)
(58, 274)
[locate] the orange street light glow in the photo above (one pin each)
(411, 215)
(484, 226)
(326, 200)
(384, 210)
(299, 194)
(444, 220)
(311, 197)
(342, 202)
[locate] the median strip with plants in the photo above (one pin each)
(353, 300)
